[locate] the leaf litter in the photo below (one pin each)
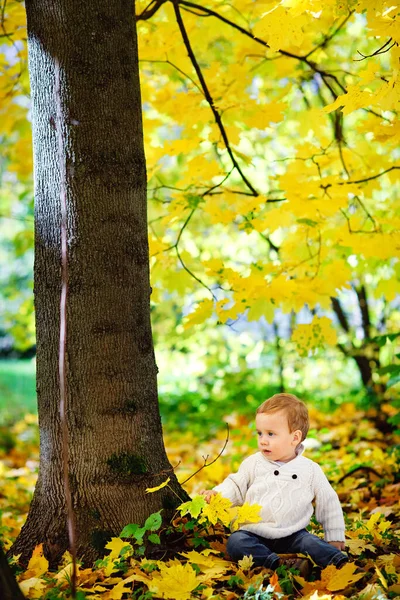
(361, 462)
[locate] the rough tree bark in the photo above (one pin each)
(116, 446)
(366, 356)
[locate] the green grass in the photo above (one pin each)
(17, 388)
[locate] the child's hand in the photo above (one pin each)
(338, 545)
(208, 494)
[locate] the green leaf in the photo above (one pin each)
(393, 380)
(153, 522)
(138, 535)
(382, 339)
(389, 369)
(193, 507)
(154, 538)
(129, 530)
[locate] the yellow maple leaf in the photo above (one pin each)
(359, 545)
(339, 579)
(116, 545)
(281, 29)
(354, 98)
(200, 558)
(248, 513)
(332, 579)
(37, 565)
(174, 581)
(246, 563)
(211, 566)
(64, 576)
(158, 487)
(118, 591)
(202, 312)
(218, 510)
(32, 587)
(313, 335)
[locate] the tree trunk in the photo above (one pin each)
(116, 448)
(9, 588)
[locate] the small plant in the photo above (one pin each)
(137, 534)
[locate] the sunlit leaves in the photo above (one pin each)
(218, 510)
(192, 507)
(370, 500)
(270, 78)
(309, 337)
(332, 579)
(175, 581)
(158, 487)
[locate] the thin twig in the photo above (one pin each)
(370, 178)
(168, 62)
(379, 51)
(350, 473)
(206, 464)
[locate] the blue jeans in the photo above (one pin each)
(265, 551)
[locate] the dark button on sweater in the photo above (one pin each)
(294, 476)
(276, 472)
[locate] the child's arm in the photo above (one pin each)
(328, 510)
(235, 486)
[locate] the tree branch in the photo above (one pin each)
(370, 178)
(208, 96)
(380, 50)
(329, 37)
(209, 12)
(150, 10)
(363, 304)
(339, 312)
(363, 468)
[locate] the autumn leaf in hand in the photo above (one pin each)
(218, 510)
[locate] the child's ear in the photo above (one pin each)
(297, 436)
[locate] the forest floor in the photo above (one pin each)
(361, 462)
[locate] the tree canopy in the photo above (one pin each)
(271, 146)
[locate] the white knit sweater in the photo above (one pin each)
(286, 492)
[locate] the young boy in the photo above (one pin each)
(285, 483)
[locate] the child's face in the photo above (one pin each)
(275, 440)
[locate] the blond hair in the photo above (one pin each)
(295, 410)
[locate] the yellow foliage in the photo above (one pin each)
(314, 335)
(218, 510)
(158, 487)
(33, 587)
(280, 29)
(332, 579)
(175, 581)
(203, 311)
(38, 564)
(116, 545)
(248, 513)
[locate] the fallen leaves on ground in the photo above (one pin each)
(361, 462)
